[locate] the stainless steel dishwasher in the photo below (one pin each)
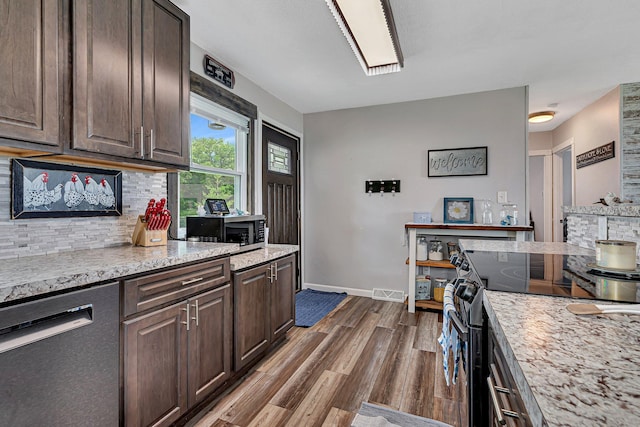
(59, 360)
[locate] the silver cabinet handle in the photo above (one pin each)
(493, 389)
(188, 316)
(197, 317)
(494, 400)
(142, 142)
(275, 269)
(270, 270)
(191, 281)
(151, 143)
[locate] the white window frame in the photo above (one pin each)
(210, 110)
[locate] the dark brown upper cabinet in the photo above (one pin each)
(131, 79)
(29, 92)
(96, 79)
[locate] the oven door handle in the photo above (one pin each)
(463, 331)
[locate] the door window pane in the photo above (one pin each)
(279, 159)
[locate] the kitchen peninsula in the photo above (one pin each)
(569, 369)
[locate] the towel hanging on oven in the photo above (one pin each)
(449, 340)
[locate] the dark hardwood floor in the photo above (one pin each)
(363, 351)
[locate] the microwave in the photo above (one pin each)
(246, 230)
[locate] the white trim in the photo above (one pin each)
(557, 183)
(540, 152)
(350, 291)
(547, 188)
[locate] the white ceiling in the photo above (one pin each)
(569, 52)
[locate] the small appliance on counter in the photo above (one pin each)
(151, 228)
(218, 226)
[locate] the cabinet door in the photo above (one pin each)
(165, 47)
(29, 103)
(251, 314)
(155, 367)
(283, 307)
(210, 342)
(106, 77)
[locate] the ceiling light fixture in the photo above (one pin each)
(370, 30)
(541, 116)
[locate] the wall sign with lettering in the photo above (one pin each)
(457, 162)
(218, 72)
(604, 152)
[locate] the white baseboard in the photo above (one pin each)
(350, 291)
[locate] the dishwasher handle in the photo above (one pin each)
(27, 333)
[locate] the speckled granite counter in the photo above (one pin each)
(259, 256)
(38, 275)
(572, 370)
(531, 247)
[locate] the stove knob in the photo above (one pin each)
(467, 291)
(464, 265)
(454, 259)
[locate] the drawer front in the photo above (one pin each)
(153, 290)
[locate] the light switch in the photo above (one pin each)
(502, 197)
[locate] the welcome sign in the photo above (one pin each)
(457, 162)
(604, 152)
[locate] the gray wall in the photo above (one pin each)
(354, 240)
(596, 125)
(267, 104)
(540, 141)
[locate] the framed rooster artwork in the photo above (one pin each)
(52, 190)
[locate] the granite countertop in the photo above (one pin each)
(570, 370)
(38, 275)
(260, 256)
(530, 247)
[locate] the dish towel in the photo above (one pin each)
(448, 339)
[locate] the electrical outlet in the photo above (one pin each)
(603, 228)
(502, 197)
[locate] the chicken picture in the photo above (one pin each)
(106, 197)
(36, 193)
(92, 191)
(73, 191)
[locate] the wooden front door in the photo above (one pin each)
(280, 200)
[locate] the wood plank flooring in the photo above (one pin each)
(363, 351)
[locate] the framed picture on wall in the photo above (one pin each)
(457, 162)
(458, 210)
(51, 190)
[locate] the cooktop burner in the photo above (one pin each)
(556, 275)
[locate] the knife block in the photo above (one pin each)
(143, 237)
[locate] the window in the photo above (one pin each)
(218, 159)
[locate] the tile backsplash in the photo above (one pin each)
(27, 237)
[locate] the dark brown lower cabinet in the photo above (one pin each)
(264, 307)
(176, 356)
(507, 407)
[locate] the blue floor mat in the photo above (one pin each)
(312, 305)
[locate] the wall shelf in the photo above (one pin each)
(431, 263)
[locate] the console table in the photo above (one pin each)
(509, 232)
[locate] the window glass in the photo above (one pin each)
(218, 160)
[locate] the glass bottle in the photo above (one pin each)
(487, 212)
(438, 290)
(422, 249)
(509, 214)
(435, 250)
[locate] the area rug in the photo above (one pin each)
(312, 305)
(371, 415)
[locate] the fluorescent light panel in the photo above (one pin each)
(370, 30)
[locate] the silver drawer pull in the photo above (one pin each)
(191, 281)
(496, 405)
